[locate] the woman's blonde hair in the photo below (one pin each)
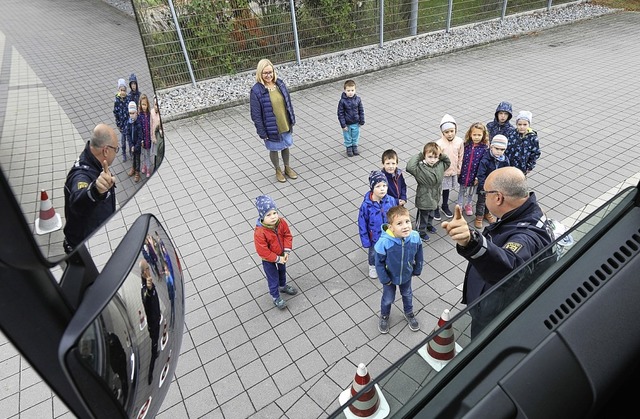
(261, 66)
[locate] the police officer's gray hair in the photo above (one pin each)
(512, 185)
(100, 136)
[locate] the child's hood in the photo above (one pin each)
(387, 234)
(504, 107)
(133, 79)
(448, 120)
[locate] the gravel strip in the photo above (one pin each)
(185, 101)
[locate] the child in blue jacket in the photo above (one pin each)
(398, 258)
(373, 214)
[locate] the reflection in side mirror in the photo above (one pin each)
(130, 346)
(56, 93)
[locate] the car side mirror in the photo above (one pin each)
(47, 122)
(121, 346)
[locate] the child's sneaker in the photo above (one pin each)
(468, 210)
(424, 238)
(383, 326)
(413, 322)
(372, 272)
(288, 289)
(431, 229)
(436, 215)
(280, 303)
(447, 212)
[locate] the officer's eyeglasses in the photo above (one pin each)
(116, 149)
(488, 192)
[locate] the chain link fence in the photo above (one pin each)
(192, 40)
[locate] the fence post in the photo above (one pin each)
(295, 30)
(184, 48)
(504, 10)
(549, 4)
(449, 13)
(381, 22)
(413, 20)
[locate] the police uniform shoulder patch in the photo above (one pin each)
(513, 246)
(82, 185)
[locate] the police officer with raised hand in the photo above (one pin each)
(89, 191)
(521, 231)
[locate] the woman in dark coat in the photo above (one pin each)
(272, 114)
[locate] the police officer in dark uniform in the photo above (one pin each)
(89, 191)
(522, 230)
(151, 304)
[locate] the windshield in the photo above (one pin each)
(422, 370)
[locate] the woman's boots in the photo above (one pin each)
(288, 171)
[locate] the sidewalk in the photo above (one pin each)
(242, 357)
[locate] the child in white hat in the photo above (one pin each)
(490, 161)
(134, 140)
(453, 146)
(524, 149)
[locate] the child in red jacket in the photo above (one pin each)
(273, 241)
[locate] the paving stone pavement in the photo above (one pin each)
(241, 356)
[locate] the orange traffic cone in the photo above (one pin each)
(371, 404)
(442, 348)
(48, 221)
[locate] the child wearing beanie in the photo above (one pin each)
(428, 168)
(524, 148)
(490, 161)
(373, 214)
(453, 147)
(120, 112)
(273, 241)
(133, 135)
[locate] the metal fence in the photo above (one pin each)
(191, 40)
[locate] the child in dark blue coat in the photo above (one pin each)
(491, 161)
(351, 117)
(134, 140)
(501, 121)
(120, 114)
(397, 187)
